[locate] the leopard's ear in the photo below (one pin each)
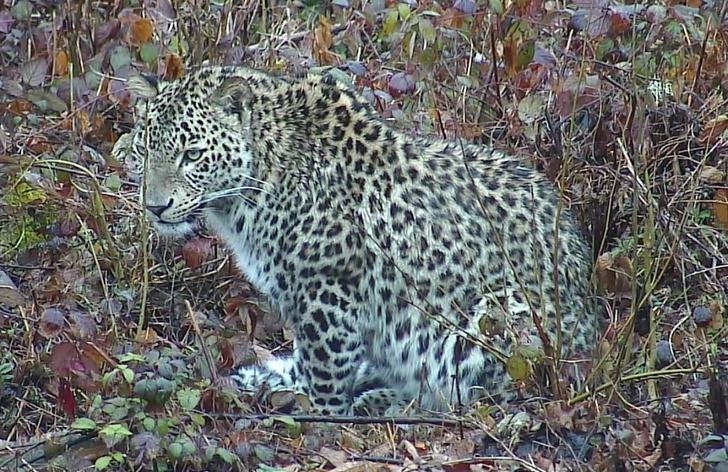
(143, 86)
(232, 89)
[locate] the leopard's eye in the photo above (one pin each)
(191, 155)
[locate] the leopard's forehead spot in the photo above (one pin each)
(179, 116)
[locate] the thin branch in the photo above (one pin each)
(412, 420)
(294, 38)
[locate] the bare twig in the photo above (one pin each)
(413, 420)
(294, 38)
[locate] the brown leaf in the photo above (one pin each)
(172, 67)
(716, 311)
(61, 64)
(614, 274)
(52, 323)
(322, 41)
(594, 22)
(713, 130)
(232, 305)
(720, 207)
(195, 251)
(227, 354)
(400, 84)
(147, 336)
(140, 31)
(452, 18)
(68, 225)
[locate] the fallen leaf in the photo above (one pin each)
(82, 324)
(172, 67)
(196, 251)
(614, 274)
(517, 367)
(33, 72)
(713, 130)
(9, 293)
(400, 84)
(61, 356)
(61, 64)
(140, 32)
(106, 31)
(711, 175)
(147, 336)
(530, 108)
(52, 323)
(720, 207)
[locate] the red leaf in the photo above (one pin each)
(227, 354)
(195, 251)
(66, 400)
(400, 84)
(106, 32)
(61, 357)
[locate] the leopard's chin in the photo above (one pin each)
(176, 231)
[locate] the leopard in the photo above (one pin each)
(409, 268)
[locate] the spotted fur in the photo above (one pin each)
(391, 256)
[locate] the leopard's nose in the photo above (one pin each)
(157, 210)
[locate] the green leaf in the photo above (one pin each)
(125, 371)
(113, 183)
(427, 30)
(225, 455)
(148, 53)
(525, 54)
(103, 462)
(404, 11)
(131, 357)
(175, 450)
(188, 398)
(287, 420)
(112, 434)
(517, 367)
(115, 430)
(148, 423)
(189, 447)
(427, 57)
(83, 424)
(390, 22)
(496, 6)
(198, 419)
(119, 57)
(22, 10)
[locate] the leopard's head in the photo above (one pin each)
(190, 145)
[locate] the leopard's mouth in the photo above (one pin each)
(178, 229)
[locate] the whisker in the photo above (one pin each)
(236, 191)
